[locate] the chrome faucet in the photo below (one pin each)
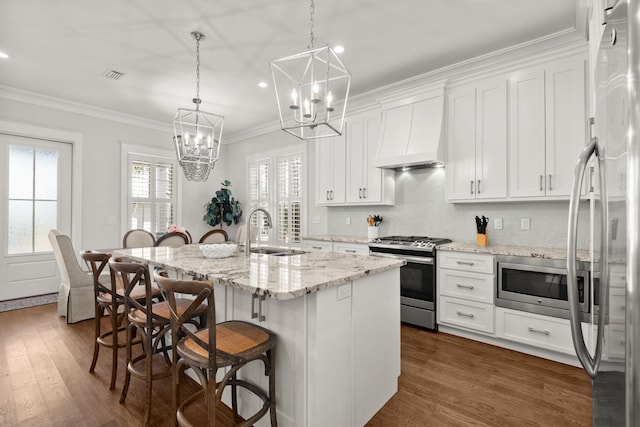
(247, 228)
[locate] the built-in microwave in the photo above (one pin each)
(539, 285)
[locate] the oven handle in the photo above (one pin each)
(413, 259)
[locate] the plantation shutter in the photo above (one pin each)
(259, 195)
(289, 198)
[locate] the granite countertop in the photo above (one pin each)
(279, 277)
(526, 251)
(338, 238)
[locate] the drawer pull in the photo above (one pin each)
(316, 247)
(539, 331)
(351, 251)
(622, 308)
(469, 315)
(464, 262)
(460, 285)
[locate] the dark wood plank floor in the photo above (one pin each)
(445, 381)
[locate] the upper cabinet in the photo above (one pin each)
(345, 174)
(477, 141)
(547, 123)
(330, 170)
(366, 184)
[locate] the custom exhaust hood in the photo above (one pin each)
(412, 128)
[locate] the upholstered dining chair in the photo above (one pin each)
(150, 320)
(138, 238)
(75, 294)
(231, 344)
(241, 234)
(214, 236)
(174, 240)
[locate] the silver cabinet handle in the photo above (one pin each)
(539, 331)
(541, 181)
(622, 343)
(254, 314)
(621, 308)
(261, 316)
(316, 247)
(327, 194)
(478, 187)
(471, 186)
(590, 363)
(460, 285)
(360, 193)
(550, 188)
(331, 194)
(351, 251)
(469, 315)
(464, 262)
(364, 193)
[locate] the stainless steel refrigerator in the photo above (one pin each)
(612, 358)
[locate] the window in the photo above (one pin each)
(276, 183)
(33, 198)
(151, 203)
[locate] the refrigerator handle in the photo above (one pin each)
(589, 363)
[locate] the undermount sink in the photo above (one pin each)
(276, 251)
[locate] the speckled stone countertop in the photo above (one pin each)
(526, 251)
(279, 277)
(338, 238)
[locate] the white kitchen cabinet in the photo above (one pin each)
(344, 338)
(317, 245)
(477, 141)
(330, 170)
(351, 248)
(466, 284)
(547, 123)
(365, 183)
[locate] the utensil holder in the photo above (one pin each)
(372, 232)
(482, 239)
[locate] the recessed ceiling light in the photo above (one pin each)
(4, 55)
(338, 49)
(263, 84)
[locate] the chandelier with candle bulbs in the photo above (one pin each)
(197, 134)
(311, 88)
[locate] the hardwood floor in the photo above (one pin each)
(452, 381)
(445, 381)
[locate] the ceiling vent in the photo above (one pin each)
(113, 74)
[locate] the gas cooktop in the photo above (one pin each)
(409, 242)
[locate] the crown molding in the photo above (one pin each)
(41, 100)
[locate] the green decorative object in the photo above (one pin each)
(223, 207)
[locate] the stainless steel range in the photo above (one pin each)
(417, 278)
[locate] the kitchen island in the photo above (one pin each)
(337, 318)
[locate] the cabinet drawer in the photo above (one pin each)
(616, 341)
(478, 263)
(540, 331)
(351, 248)
(468, 314)
(318, 245)
(470, 286)
(616, 305)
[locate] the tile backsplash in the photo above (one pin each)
(421, 209)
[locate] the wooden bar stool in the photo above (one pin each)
(109, 300)
(151, 321)
(230, 344)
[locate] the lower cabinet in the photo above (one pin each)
(337, 355)
(468, 314)
(347, 248)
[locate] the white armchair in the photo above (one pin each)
(76, 294)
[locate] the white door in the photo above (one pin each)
(355, 159)
(36, 197)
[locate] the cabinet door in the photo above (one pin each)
(324, 170)
(491, 139)
(461, 143)
(339, 168)
(526, 134)
(355, 159)
(373, 176)
(565, 122)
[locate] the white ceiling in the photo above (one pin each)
(62, 48)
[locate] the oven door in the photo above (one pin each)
(417, 283)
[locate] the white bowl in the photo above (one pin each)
(218, 250)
